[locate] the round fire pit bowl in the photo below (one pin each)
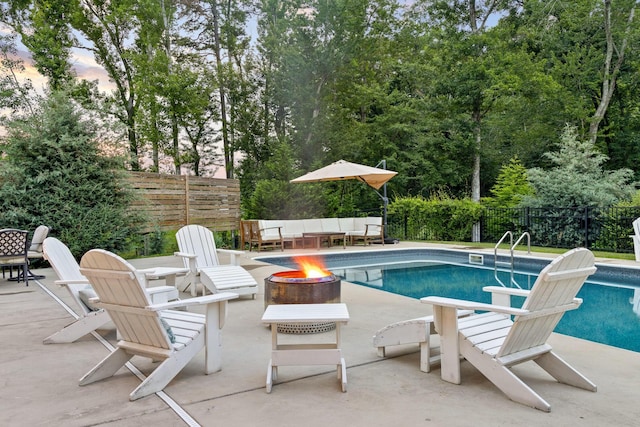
(292, 287)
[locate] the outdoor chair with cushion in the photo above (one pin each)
(13, 252)
(35, 247)
(155, 331)
(265, 236)
(90, 316)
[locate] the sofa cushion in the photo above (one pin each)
(346, 224)
(330, 224)
(269, 228)
(312, 225)
(292, 228)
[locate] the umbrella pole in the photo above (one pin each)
(385, 200)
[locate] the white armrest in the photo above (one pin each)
(72, 282)
(208, 299)
(506, 291)
(233, 254)
(192, 260)
(185, 255)
(472, 305)
(502, 296)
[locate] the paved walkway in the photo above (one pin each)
(40, 382)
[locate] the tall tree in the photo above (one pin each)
(110, 27)
(617, 35)
(55, 174)
(220, 31)
(44, 29)
(15, 96)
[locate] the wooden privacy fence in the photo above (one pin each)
(171, 201)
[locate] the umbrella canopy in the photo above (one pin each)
(343, 170)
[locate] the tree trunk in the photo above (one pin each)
(611, 72)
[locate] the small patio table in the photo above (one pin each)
(167, 273)
(305, 354)
(319, 237)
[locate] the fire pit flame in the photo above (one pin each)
(312, 267)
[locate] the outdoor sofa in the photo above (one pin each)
(357, 229)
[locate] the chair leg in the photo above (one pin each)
(166, 371)
(81, 327)
(563, 372)
(503, 378)
(107, 367)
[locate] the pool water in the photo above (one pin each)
(606, 315)
(609, 314)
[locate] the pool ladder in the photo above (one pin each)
(509, 263)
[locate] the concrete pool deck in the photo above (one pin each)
(40, 382)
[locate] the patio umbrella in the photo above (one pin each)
(342, 170)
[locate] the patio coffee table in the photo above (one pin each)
(320, 237)
(305, 354)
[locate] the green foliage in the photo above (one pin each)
(438, 218)
(510, 187)
(577, 177)
(617, 225)
(53, 174)
(277, 199)
(635, 200)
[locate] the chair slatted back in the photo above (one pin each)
(198, 240)
(62, 260)
(66, 268)
(13, 243)
(551, 296)
(636, 227)
(124, 297)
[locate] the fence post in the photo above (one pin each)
(586, 227)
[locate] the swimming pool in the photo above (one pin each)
(610, 313)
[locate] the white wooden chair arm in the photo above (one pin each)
(71, 282)
(507, 291)
(233, 255)
(208, 299)
(502, 296)
(185, 255)
(472, 305)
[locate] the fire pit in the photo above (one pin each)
(296, 287)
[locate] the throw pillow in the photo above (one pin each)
(166, 326)
(85, 296)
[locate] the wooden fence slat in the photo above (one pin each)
(171, 201)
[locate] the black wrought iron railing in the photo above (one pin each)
(605, 229)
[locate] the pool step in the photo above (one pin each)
(414, 331)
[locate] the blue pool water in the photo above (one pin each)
(610, 313)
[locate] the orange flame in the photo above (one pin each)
(312, 267)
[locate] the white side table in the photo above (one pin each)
(169, 292)
(305, 354)
(167, 273)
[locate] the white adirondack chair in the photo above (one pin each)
(197, 248)
(69, 275)
(493, 343)
(636, 238)
(152, 330)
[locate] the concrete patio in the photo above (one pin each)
(40, 382)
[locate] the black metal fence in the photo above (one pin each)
(605, 229)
